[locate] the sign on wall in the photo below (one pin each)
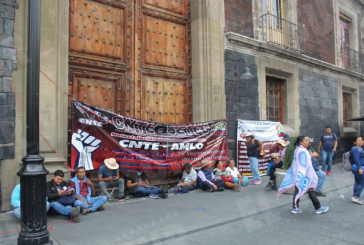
(265, 131)
(139, 145)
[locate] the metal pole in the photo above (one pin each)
(33, 174)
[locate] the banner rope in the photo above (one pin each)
(22, 105)
(50, 228)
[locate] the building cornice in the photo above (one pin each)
(279, 51)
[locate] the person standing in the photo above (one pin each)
(253, 146)
(302, 176)
(328, 143)
(108, 175)
(357, 155)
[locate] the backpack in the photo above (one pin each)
(347, 161)
(260, 150)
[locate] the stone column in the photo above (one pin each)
(208, 72)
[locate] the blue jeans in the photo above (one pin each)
(57, 208)
(16, 212)
(359, 183)
(93, 205)
(141, 191)
(327, 155)
(254, 167)
(321, 179)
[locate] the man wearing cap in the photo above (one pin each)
(109, 177)
(207, 181)
(320, 174)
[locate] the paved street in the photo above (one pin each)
(251, 216)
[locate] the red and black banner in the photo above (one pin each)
(139, 145)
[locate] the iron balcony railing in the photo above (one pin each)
(352, 60)
(282, 32)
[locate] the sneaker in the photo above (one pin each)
(357, 200)
(296, 211)
(257, 182)
(76, 214)
(322, 210)
(269, 185)
(101, 208)
(320, 194)
(210, 190)
(328, 172)
(155, 196)
(324, 171)
(221, 189)
(86, 211)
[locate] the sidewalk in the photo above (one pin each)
(145, 220)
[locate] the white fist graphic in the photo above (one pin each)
(85, 144)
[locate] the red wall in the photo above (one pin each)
(239, 17)
(318, 18)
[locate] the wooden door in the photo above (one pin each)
(345, 40)
(132, 57)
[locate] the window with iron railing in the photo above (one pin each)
(278, 30)
(274, 100)
(351, 59)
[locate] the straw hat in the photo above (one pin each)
(205, 162)
(249, 134)
(281, 142)
(111, 163)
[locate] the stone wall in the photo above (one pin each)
(7, 66)
(245, 99)
(318, 103)
(361, 95)
(318, 18)
(239, 17)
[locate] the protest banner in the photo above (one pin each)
(265, 131)
(139, 145)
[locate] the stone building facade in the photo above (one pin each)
(312, 49)
(8, 64)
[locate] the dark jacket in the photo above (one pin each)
(52, 192)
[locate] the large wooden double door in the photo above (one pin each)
(132, 57)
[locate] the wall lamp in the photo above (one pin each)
(246, 74)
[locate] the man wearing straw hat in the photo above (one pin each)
(207, 181)
(109, 177)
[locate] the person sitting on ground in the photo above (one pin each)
(221, 174)
(139, 185)
(302, 176)
(189, 177)
(237, 178)
(55, 189)
(320, 174)
(207, 181)
(84, 190)
(277, 163)
(15, 203)
(109, 177)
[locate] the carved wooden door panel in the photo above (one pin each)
(163, 89)
(132, 57)
(101, 53)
